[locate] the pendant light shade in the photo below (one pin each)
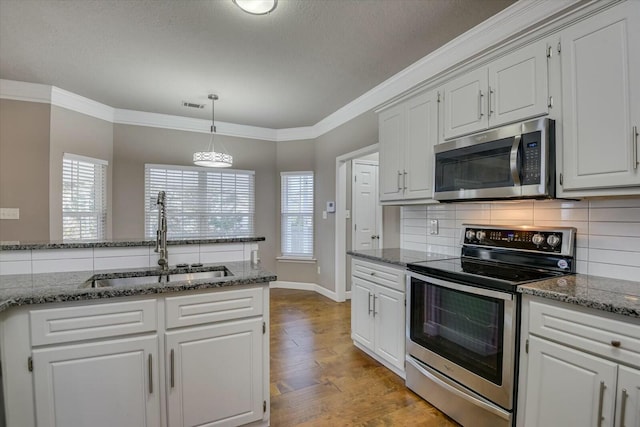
(212, 158)
(257, 7)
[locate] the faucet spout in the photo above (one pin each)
(161, 232)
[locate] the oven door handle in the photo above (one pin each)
(461, 394)
(515, 173)
(460, 287)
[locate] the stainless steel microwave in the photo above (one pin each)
(511, 162)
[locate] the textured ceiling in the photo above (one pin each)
(291, 68)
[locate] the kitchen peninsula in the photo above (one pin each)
(134, 345)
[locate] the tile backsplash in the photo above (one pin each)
(607, 243)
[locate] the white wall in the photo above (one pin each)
(608, 237)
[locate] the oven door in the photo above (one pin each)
(464, 332)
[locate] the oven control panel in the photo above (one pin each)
(520, 238)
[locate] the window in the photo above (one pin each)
(84, 198)
(297, 214)
(201, 202)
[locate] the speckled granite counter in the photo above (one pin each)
(612, 295)
(398, 256)
(23, 289)
(18, 246)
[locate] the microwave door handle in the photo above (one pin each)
(515, 173)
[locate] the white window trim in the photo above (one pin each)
(85, 159)
(295, 258)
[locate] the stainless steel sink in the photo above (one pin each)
(164, 278)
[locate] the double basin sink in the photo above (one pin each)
(98, 281)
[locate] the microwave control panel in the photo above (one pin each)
(532, 153)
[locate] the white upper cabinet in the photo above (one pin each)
(407, 133)
(600, 60)
(511, 88)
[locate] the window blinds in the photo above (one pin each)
(297, 214)
(84, 198)
(201, 202)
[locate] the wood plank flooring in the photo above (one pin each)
(319, 378)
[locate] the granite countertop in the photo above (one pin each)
(24, 289)
(115, 243)
(398, 256)
(602, 293)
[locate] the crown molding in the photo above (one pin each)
(498, 29)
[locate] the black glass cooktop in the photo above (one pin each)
(490, 274)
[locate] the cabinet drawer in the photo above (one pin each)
(68, 324)
(586, 331)
(380, 274)
(215, 306)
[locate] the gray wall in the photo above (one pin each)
(133, 146)
(76, 133)
(24, 169)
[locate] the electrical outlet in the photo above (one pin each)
(433, 226)
(9, 213)
(324, 214)
(347, 214)
(318, 269)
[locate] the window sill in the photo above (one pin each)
(301, 260)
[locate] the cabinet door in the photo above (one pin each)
(567, 387)
(214, 374)
(107, 383)
(465, 101)
(389, 325)
(392, 136)
(601, 99)
(518, 87)
(362, 293)
(422, 133)
(628, 402)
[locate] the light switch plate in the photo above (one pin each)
(9, 213)
(433, 226)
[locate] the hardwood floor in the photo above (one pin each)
(319, 378)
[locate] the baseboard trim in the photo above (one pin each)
(304, 286)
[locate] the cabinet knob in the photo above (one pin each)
(616, 343)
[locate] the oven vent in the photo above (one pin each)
(192, 105)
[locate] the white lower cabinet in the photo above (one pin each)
(581, 369)
(215, 374)
(196, 358)
(378, 312)
(106, 383)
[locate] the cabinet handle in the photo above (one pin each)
(172, 369)
(150, 374)
(404, 180)
(399, 175)
(374, 305)
(616, 343)
(634, 141)
(601, 403)
(491, 92)
(623, 406)
(480, 95)
(369, 303)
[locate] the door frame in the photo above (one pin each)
(341, 218)
(353, 198)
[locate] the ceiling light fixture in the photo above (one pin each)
(211, 158)
(256, 7)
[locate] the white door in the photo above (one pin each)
(422, 134)
(106, 383)
(465, 104)
(362, 312)
(390, 325)
(601, 99)
(392, 137)
(365, 206)
(567, 387)
(217, 374)
(628, 402)
(518, 87)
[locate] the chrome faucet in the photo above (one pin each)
(161, 232)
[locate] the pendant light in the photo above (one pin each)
(212, 158)
(256, 7)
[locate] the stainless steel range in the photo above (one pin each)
(463, 318)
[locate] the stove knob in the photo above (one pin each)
(553, 240)
(537, 239)
(481, 235)
(470, 235)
